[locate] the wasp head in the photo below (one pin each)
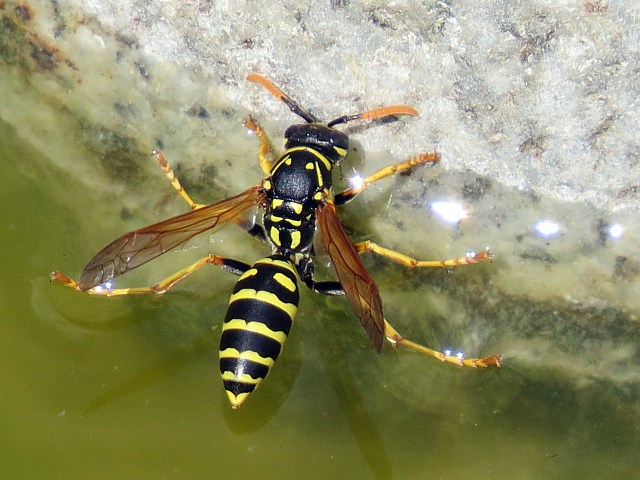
(332, 143)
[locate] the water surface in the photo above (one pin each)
(128, 388)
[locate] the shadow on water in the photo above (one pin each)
(366, 433)
(180, 324)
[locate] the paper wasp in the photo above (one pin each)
(297, 197)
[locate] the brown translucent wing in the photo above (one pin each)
(359, 287)
(140, 246)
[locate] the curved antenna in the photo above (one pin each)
(393, 110)
(280, 95)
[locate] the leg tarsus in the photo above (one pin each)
(395, 339)
(265, 152)
(233, 266)
(175, 183)
(468, 259)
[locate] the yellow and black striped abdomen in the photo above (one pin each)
(260, 314)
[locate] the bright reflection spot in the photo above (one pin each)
(104, 286)
(547, 228)
(450, 212)
(615, 231)
(356, 182)
(449, 352)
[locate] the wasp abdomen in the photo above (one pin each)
(260, 314)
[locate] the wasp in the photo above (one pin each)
(297, 197)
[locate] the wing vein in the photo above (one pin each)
(136, 248)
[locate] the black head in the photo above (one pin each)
(332, 143)
(323, 138)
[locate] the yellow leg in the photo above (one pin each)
(392, 334)
(469, 258)
(265, 151)
(158, 289)
(349, 193)
(396, 339)
(175, 183)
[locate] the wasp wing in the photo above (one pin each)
(140, 246)
(360, 289)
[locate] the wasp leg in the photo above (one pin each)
(469, 258)
(175, 183)
(256, 231)
(305, 271)
(325, 288)
(160, 288)
(392, 334)
(350, 193)
(396, 339)
(265, 152)
(393, 337)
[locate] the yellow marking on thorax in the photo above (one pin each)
(320, 180)
(294, 223)
(340, 151)
(295, 239)
(274, 235)
(315, 153)
(297, 207)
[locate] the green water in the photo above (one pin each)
(128, 388)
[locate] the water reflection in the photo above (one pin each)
(615, 231)
(450, 212)
(547, 228)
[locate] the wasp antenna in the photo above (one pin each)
(280, 95)
(393, 110)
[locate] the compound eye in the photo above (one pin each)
(340, 141)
